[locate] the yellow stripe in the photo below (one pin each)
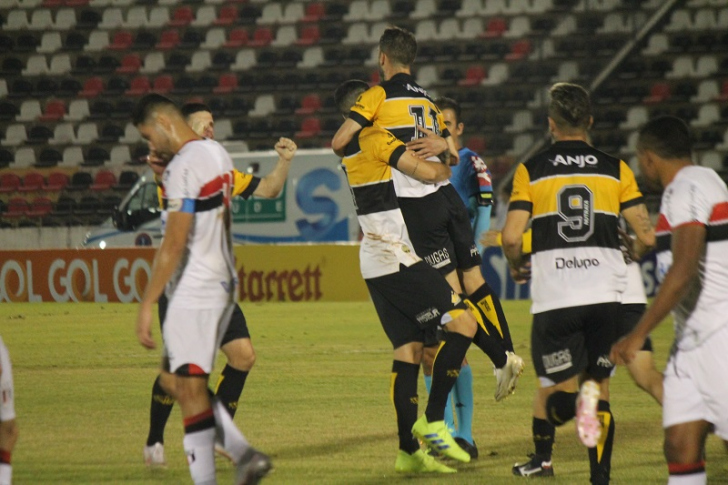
(606, 191)
(486, 304)
(606, 419)
(477, 315)
(219, 381)
(437, 353)
(392, 380)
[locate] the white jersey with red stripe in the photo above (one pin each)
(697, 195)
(198, 180)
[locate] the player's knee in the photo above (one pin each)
(240, 354)
(462, 322)
(428, 358)
(680, 448)
(168, 383)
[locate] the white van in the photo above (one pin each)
(315, 206)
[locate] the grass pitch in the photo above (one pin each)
(317, 401)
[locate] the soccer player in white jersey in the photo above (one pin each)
(692, 244)
(195, 263)
(8, 426)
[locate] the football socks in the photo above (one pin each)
(403, 393)
(463, 397)
(159, 411)
(490, 307)
(600, 457)
(199, 444)
(543, 438)
(445, 371)
(230, 386)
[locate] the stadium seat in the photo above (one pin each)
(60, 64)
(205, 16)
(314, 12)
(139, 86)
(11, 66)
(244, 60)
(36, 66)
(144, 41)
(519, 50)
(228, 83)
(153, 63)
(78, 110)
(63, 134)
(200, 61)
(158, 17)
(310, 127)
(473, 76)
(168, 40)
(49, 157)
(65, 19)
(39, 134)
(706, 66)
(29, 110)
(41, 19)
(45, 87)
(272, 13)
(309, 35)
(32, 182)
(659, 92)
(16, 20)
(50, 43)
(39, 208)
(104, 180)
(712, 160)
(237, 38)
(24, 157)
(16, 209)
(72, 157)
(707, 115)
(181, 17)
(495, 27)
(87, 133)
(9, 183)
(127, 179)
(111, 19)
(310, 104)
(26, 42)
(222, 60)
(130, 64)
(54, 111)
(98, 41)
(262, 37)
(163, 84)
(95, 156)
(57, 181)
(497, 74)
(228, 15)
(8, 111)
(122, 41)
(92, 87)
(264, 106)
(214, 38)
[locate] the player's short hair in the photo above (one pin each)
(448, 103)
(666, 136)
(192, 108)
(347, 93)
(150, 103)
(400, 45)
(570, 107)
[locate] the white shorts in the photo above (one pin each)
(7, 406)
(695, 385)
(192, 337)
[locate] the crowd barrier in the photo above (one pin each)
(265, 273)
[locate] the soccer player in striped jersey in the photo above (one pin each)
(437, 222)
(573, 194)
(236, 343)
(692, 244)
(195, 267)
(409, 295)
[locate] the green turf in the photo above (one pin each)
(317, 401)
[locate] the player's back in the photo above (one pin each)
(400, 105)
(198, 180)
(575, 194)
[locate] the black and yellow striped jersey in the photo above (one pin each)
(399, 105)
(368, 161)
(575, 194)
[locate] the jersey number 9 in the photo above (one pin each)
(576, 208)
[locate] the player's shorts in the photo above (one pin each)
(439, 228)
(695, 385)
(7, 389)
(192, 337)
(411, 301)
(238, 327)
(631, 314)
(567, 341)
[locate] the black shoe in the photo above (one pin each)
(535, 467)
(472, 449)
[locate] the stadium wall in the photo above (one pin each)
(326, 272)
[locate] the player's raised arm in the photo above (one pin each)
(271, 185)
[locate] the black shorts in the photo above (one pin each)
(567, 341)
(238, 327)
(631, 314)
(439, 228)
(412, 301)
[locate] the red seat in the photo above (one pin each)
(473, 76)
(131, 63)
(9, 182)
(168, 40)
(17, 207)
(237, 38)
(228, 15)
(310, 104)
(723, 96)
(57, 181)
(40, 207)
(54, 111)
(309, 128)
(659, 92)
(163, 84)
(92, 87)
(123, 40)
(31, 182)
(519, 50)
(182, 16)
(104, 180)
(314, 12)
(227, 84)
(476, 143)
(263, 36)
(139, 85)
(310, 35)
(496, 27)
